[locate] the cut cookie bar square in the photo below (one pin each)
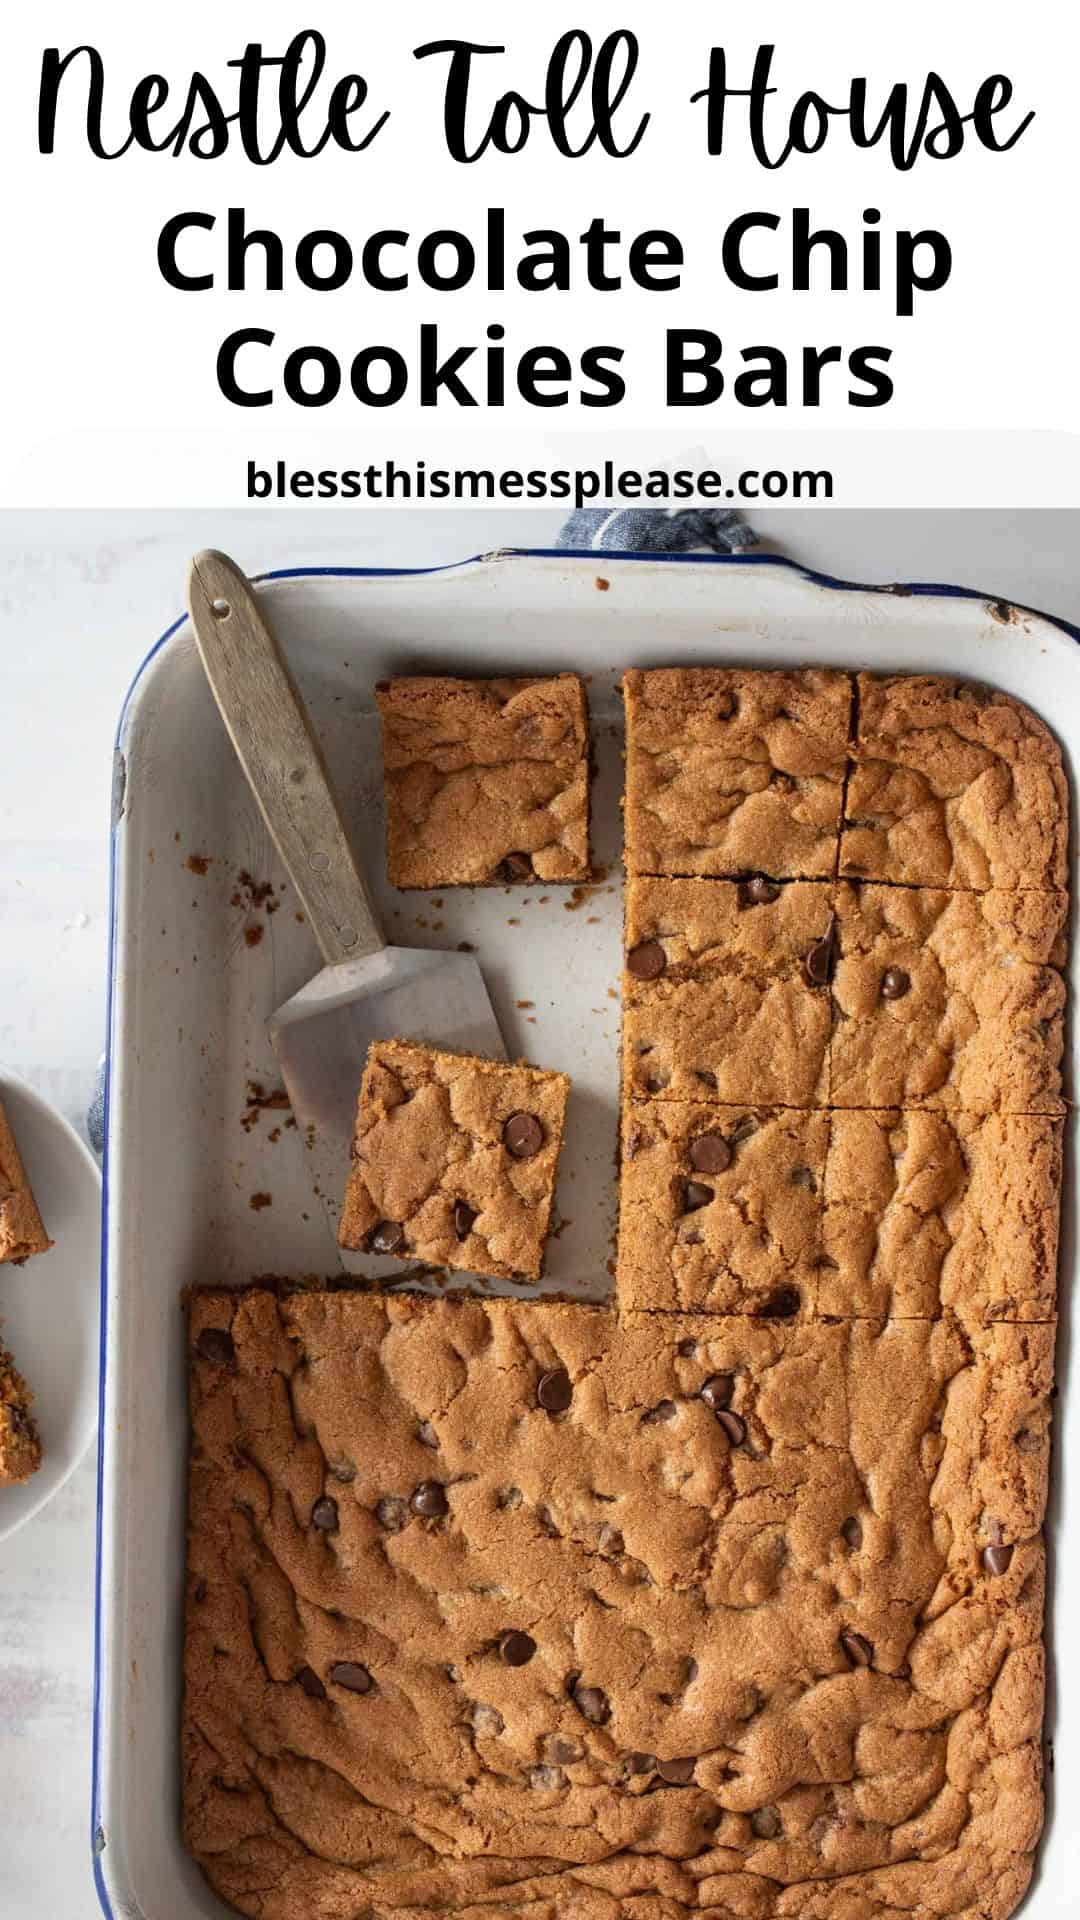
(732, 772)
(454, 1160)
(953, 785)
(927, 1212)
(20, 1445)
(487, 781)
(720, 1208)
(726, 991)
(21, 1229)
(950, 1000)
(493, 1603)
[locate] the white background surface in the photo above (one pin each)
(82, 598)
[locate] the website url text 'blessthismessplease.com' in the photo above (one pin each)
(405, 482)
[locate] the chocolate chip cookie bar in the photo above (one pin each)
(726, 991)
(953, 785)
(497, 1608)
(772, 1212)
(731, 772)
(21, 1229)
(454, 1160)
(929, 1213)
(20, 1444)
(948, 999)
(487, 781)
(721, 1208)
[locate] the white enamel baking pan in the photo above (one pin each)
(197, 964)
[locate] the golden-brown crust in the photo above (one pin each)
(932, 1212)
(697, 1578)
(720, 1208)
(480, 771)
(732, 1016)
(21, 1229)
(776, 1536)
(20, 1442)
(844, 1214)
(979, 1025)
(953, 785)
(430, 1158)
(731, 771)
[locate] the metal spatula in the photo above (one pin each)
(367, 990)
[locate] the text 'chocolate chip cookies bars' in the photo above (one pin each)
(724, 1600)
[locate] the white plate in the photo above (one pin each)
(190, 997)
(50, 1308)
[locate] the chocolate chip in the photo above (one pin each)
(515, 867)
(429, 1500)
(695, 1196)
(464, 1217)
(734, 1426)
(486, 1719)
(610, 1541)
(820, 962)
(677, 1773)
(387, 1237)
(996, 1559)
(216, 1345)
(592, 1703)
(311, 1683)
(858, 1649)
(516, 1649)
(523, 1135)
(710, 1153)
(895, 983)
(554, 1390)
(641, 1763)
(784, 1304)
(766, 1823)
(717, 1391)
(324, 1514)
(563, 1752)
(707, 1077)
(664, 1410)
(759, 891)
(392, 1514)
(547, 1779)
(352, 1676)
(647, 960)
(852, 1532)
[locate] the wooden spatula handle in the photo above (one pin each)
(280, 755)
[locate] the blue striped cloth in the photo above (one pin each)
(656, 530)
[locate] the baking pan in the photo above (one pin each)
(202, 1184)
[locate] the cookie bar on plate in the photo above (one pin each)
(21, 1229)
